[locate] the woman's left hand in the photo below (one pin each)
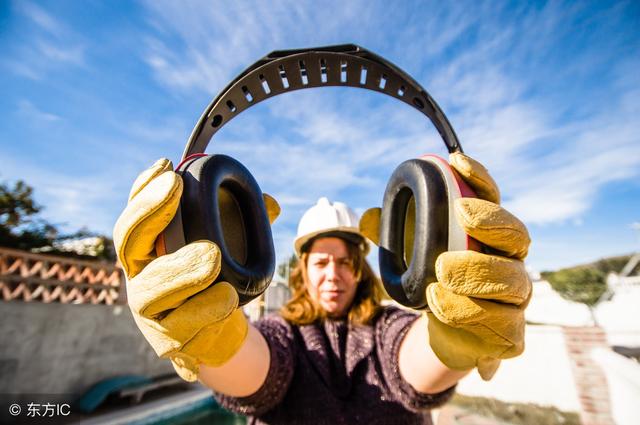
(477, 305)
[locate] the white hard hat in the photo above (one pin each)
(325, 218)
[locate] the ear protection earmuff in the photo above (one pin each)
(222, 201)
(417, 224)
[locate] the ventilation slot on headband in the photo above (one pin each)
(401, 91)
(231, 106)
(383, 82)
(323, 71)
(303, 73)
(283, 77)
(343, 71)
(216, 121)
(363, 75)
(265, 84)
(247, 94)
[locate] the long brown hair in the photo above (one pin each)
(301, 309)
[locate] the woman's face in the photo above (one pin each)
(331, 280)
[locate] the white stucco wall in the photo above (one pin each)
(623, 378)
(620, 317)
(548, 307)
(541, 375)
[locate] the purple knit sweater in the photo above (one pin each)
(336, 373)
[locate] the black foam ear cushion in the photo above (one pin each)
(416, 191)
(223, 203)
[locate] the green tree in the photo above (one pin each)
(612, 264)
(286, 266)
(19, 225)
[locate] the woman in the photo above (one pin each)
(333, 355)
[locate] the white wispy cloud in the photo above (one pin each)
(82, 178)
(493, 69)
(40, 17)
(546, 96)
(46, 44)
(199, 46)
(70, 202)
(67, 54)
(549, 170)
(34, 113)
(581, 156)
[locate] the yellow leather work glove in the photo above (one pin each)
(182, 317)
(477, 305)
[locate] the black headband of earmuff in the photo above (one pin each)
(282, 71)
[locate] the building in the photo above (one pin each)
(573, 363)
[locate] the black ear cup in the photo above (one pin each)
(223, 203)
(420, 185)
(417, 225)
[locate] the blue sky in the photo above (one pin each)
(546, 95)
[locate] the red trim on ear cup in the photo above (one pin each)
(457, 188)
(190, 157)
(463, 189)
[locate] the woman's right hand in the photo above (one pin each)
(179, 312)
